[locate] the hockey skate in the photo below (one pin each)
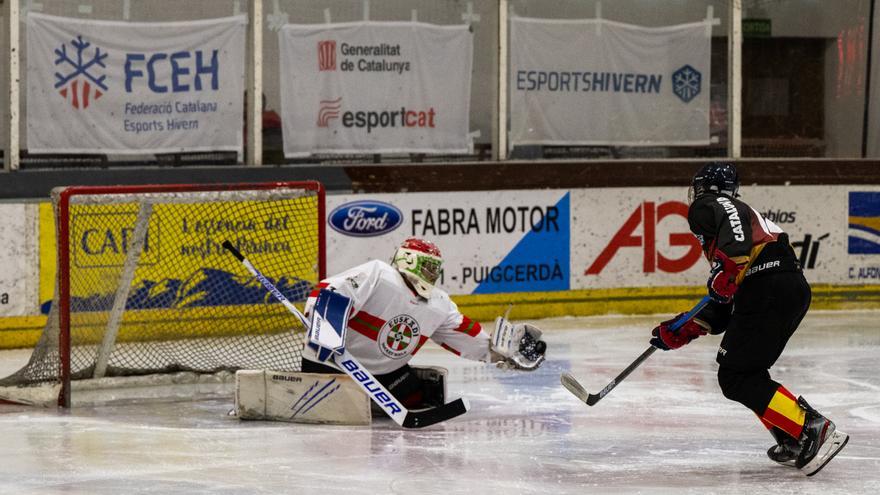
(786, 450)
(820, 441)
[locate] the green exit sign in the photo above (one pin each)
(756, 28)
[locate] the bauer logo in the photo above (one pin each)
(79, 77)
(365, 218)
(864, 223)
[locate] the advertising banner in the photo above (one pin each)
(133, 87)
(492, 241)
(635, 237)
(598, 82)
(18, 257)
(377, 87)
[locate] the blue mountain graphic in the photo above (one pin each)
(204, 287)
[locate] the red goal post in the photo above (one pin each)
(144, 287)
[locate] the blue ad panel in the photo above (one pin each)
(540, 261)
(864, 223)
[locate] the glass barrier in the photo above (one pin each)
(805, 79)
(600, 87)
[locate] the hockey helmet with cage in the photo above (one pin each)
(716, 177)
(420, 263)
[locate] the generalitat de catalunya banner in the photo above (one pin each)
(134, 87)
(598, 82)
(378, 87)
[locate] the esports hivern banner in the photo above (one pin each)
(134, 87)
(598, 82)
(491, 241)
(378, 87)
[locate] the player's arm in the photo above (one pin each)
(510, 345)
(724, 230)
(463, 336)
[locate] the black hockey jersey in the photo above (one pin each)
(726, 224)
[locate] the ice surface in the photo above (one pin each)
(666, 429)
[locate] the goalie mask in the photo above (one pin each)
(420, 262)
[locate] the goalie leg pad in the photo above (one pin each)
(319, 398)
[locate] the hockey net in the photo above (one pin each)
(144, 287)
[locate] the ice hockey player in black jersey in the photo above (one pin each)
(759, 297)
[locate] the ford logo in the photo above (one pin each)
(365, 218)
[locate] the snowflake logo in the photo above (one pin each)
(80, 85)
(686, 83)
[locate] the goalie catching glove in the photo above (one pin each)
(516, 346)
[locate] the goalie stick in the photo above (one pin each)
(380, 395)
(572, 385)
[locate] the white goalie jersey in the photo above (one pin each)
(389, 323)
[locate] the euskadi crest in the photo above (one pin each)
(78, 77)
(687, 83)
(399, 336)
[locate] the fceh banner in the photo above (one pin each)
(378, 87)
(491, 241)
(134, 87)
(599, 82)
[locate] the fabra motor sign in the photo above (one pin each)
(492, 241)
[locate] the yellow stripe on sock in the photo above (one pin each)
(784, 413)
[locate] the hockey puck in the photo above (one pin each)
(540, 347)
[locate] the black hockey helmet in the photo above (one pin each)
(717, 177)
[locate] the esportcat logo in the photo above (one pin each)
(329, 109)
(375, 119)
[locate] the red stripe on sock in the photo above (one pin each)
(783, 423)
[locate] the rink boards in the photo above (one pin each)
(550, 252)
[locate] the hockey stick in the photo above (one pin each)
(350, 365)
(572, 385)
